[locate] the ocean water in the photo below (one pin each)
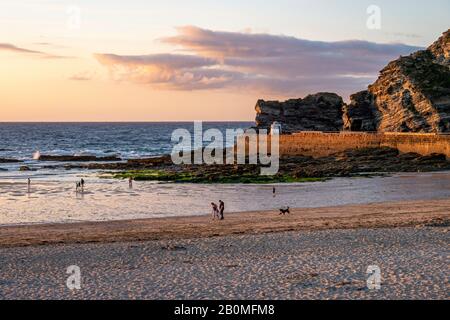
(126, 140)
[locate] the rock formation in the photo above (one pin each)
(2, 160)
(317, 112)
(78, 158)
(412, 94)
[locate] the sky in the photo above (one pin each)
(98, 60)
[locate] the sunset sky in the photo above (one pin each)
(195, 60)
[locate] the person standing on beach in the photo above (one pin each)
(29, 184)
(221, 209)
(130, 182)
(82, 184)
(273, 191)
(215, 211)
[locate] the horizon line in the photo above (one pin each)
(131, 121)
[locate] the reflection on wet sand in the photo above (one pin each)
(57, 200)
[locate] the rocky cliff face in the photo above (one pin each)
(441, 50)
(412, 94)
(317, 112)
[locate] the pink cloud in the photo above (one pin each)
(258, 62)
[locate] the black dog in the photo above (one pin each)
(284, 211)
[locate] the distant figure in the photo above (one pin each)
(130, 182)
(273, 191)
(77, 186)
(221, 209)
(215, 210)
(82, 184)
(29, 184)
(284, 211)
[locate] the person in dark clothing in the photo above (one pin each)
(130, 182)
(221, 209)
(215, 210)
(82, 184)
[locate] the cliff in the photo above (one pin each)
(412, 94)
(317, 112)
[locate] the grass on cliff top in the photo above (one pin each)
(187, 177)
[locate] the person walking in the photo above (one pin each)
(82, 184)
(221, 209)
(215, 210)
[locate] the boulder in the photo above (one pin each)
(26, 168)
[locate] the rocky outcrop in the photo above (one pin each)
(2, 160)
(412, 94)
(362, 115)
(317, 112)
(77, 158)
(26, 168)
(441, 50)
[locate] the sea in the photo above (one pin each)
(23, 141)
(52, 197)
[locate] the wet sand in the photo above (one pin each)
(378, 215)
(55, 201)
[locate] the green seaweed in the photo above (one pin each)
(189, 177)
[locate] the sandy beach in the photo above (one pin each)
(377, 215)
(320, 253)
(327, 264)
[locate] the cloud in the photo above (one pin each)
(13, 48)
(10, 47)
(259, 62)
(82, 76)
(174, 71)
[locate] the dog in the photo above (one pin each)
(284, 211)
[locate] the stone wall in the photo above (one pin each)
(319, 144)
